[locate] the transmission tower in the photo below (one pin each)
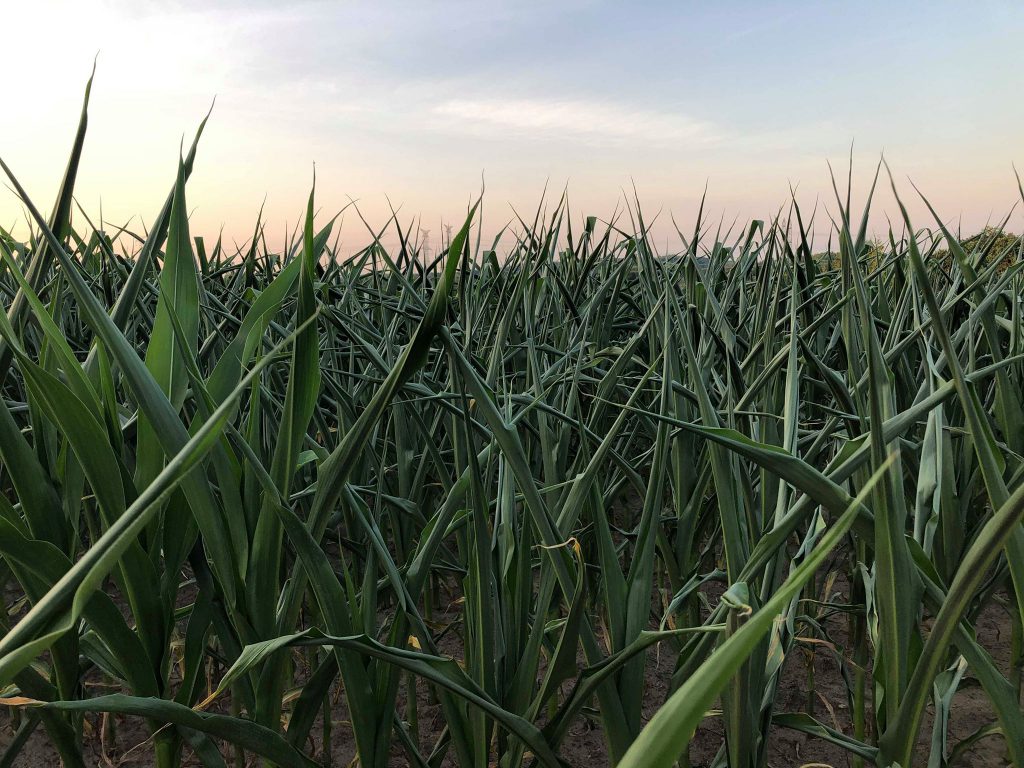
(425, 246)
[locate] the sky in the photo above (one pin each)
(420, 103)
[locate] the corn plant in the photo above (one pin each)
(281, 499)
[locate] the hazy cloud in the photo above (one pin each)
(596, 122)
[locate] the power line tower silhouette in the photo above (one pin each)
(425, 244)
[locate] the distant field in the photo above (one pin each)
(746, 505)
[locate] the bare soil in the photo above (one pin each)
(124, 742)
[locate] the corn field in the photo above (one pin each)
(516, 482)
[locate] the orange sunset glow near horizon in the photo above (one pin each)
(421, 105)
